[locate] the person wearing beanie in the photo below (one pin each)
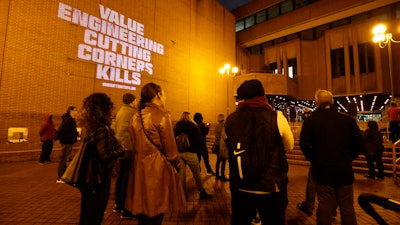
(257, 138)
(331, 140)
(121, 127)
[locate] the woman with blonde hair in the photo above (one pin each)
(188, 156)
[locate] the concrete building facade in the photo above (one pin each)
(55, 53)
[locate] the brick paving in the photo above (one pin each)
(30, 195)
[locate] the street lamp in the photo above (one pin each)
(385, 39)
(228, 72)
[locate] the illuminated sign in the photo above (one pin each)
(115, 43)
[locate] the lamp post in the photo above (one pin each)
(227, 72)
(385, 39)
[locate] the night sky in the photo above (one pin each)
(233, 4)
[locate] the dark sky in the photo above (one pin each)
(233, 4)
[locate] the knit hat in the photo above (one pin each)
(128, 98)
(250, 89)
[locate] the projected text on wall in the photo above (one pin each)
(115, 43)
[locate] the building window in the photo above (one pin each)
(337, 62)
(286, 6)
(292, 68)
(366, 58)
(249, 21)
(261, 16)
(273, 67)
(273, 12)
(239, 25)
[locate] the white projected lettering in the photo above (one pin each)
(116, 43)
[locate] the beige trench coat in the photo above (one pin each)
(154, 186)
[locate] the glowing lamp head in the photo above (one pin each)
(227, 66)
(221, 70)
(235, 70)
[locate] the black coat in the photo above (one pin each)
(66, 132)
(331, 141)
(192, 130)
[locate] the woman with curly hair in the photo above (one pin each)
(95, 118)
(154, 187)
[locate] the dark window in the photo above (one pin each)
(261, 16)
(273, 67)
(366, 58)
(286, 6)
(273, 11)
(249, 21)
(239, 25)
(337, 60)
(300, 3)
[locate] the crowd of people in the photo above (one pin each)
(141, 146)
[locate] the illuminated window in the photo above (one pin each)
(249, 21)
(239, 25)
(292, 68)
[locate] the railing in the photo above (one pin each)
(395, 162)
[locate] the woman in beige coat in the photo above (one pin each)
(154, 187)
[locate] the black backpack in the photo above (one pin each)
(257, 159)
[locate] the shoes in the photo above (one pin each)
(204, 195)
(211, 172)
(41, 163)
(303, 208)
(117, 209)
(59, 181)
(369, 177)
(126, 215)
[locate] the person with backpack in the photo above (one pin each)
(373, 141)
(188, 152)
(257, 140)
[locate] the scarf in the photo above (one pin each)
(256, 102)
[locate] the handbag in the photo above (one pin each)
(215, 147)
(83, 161)
(182, 142)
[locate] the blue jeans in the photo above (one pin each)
(66, 152)
(329, 198)
(191, 160)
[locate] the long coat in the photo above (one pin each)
(154, 186)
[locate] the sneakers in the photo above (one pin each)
(204, 195)
(303, 208)
(59, 181)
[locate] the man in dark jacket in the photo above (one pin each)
(67, 135)
(331, 140)
(257, 138)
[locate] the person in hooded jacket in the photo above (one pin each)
(67, 135)
(47, 136)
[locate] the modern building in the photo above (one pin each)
(299, 46)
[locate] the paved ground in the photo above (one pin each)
(30, 195)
